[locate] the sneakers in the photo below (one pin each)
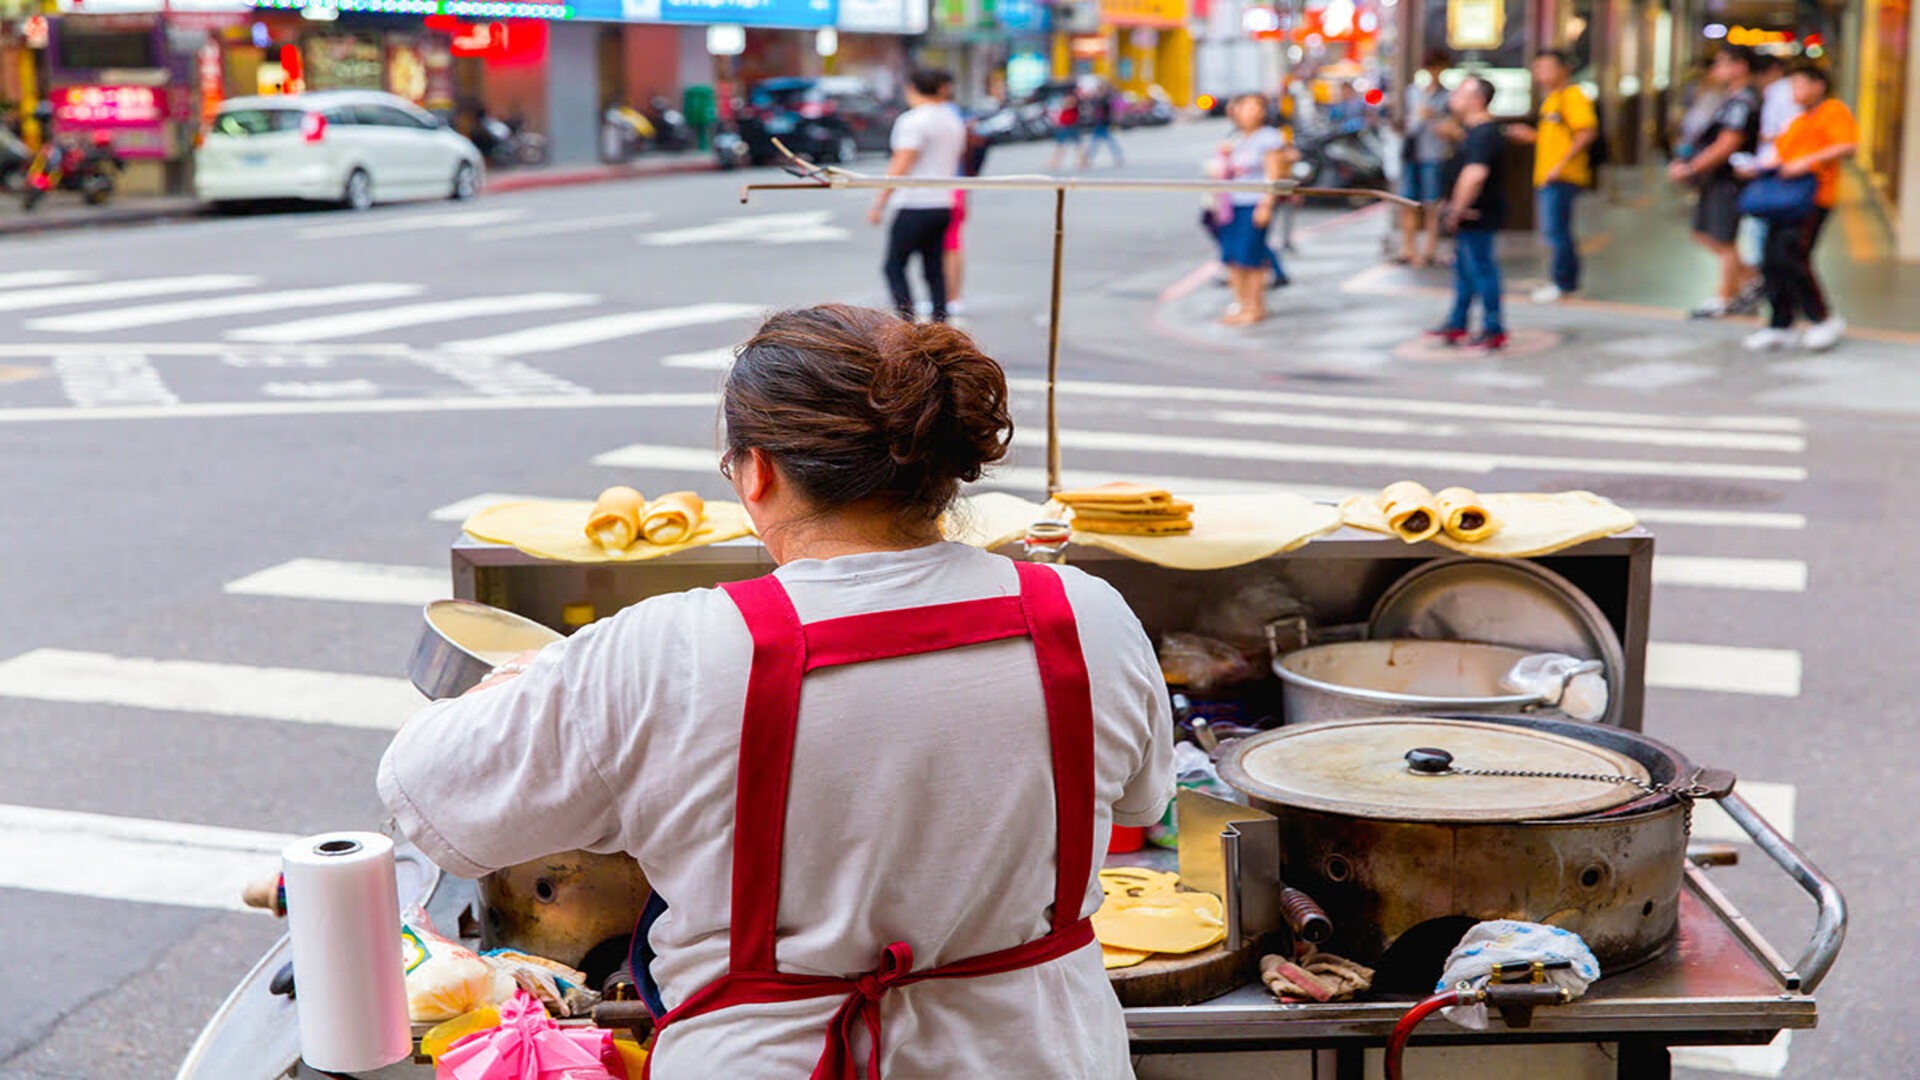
(1770, 339)
(1711, 308)
(1750, 298)
(1548, 294)
(1491, 342)
(956, 307)
(1825, 334)
(1447, 335)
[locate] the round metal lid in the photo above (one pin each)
(1517, 603)
(1369, 768)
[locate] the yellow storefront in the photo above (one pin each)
(1140, 43)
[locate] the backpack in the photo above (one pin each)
(974, 158)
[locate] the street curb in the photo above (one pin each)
(599, 174)
(131, 215)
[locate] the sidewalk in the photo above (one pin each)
(63, 210)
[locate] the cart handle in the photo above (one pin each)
(1829, 929)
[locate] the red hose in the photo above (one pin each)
(1402, 1031)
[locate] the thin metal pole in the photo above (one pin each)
(1053, 344)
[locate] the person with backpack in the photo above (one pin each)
(1563, 166)
(1100, 114)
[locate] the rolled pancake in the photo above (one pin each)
(614, 521)
(1464, 516)
(1410, 511)
(672, 518)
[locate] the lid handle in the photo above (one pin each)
(1429, 760)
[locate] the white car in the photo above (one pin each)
(351, 147)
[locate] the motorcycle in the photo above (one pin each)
(14, 159)
(670, 128)
(625, 133)
(1344, 156)
(69, 164)
(504, 143)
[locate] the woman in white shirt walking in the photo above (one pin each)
(928, 141)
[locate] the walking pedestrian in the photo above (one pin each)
(1562, 166)
(1066, 128)
(1425, 124)
(1100, 111)
(954, 251)
(1733, 129)
(1814, 144)
(1777, 110)
(928, 142)
(1255, 151)
(1477, 207)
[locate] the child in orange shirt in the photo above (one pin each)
(1816, 142)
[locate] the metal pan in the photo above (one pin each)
(460, 641)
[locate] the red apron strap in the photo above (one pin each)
(766, 766)
(883, 635)
(1069, 698)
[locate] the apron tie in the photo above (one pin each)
(836, 1062)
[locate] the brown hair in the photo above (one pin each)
(855, 405)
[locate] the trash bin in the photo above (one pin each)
(699, 105)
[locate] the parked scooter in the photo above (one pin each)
(670, 128)
(625, 133)
(73, 163)
(14, 159)
(504, 142)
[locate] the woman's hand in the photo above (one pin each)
(1679, 172)
(1796, 167)
(503, 672)
(1263, 215)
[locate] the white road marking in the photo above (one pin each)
(1775, 802)
(804, 227)
(132, 859)
(706, 359)
(473, 504)
(1656, 436)
(1034, 479)
(1763, 1061)
(1399, 457)
(321, 389)
(1764, 575)
(26, 279)
(495, 376)
(386, 222)
(265, 693)
(353, 582)
(109, 292)
(351, 323)
(552, 338)
(1726, 669)
(119, 379)
(214, 307)
(1072, 388)
(379, 406)
(564, 225)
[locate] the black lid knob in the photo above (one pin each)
(1428, 759)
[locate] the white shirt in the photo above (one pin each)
(921, 809)
(940, 135)
(1777, 109)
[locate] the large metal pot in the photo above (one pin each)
(1404, 858)
(461, 641)
(1402, 677)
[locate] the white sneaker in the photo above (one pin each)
(1770, 340)
(1825, 334)
(1548, 294)
(956, 307)
(923, 308)
(1713, 307)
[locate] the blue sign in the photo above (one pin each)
(1025, 16)
(794, 14)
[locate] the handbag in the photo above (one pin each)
(1772, 197)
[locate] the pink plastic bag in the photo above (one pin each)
(528, 1045)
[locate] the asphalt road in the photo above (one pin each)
(164, 439)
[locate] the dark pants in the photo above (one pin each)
(1786, 266)
(1476, 274)
(922, 232)
(1556, 225)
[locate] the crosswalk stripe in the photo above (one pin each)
(1726, 669)
(1765, 575)
(265, 693)
(496, 376)
(351, 323)
(25, 279)
(356, 582)
(1775, 802)
(388, 222)
(1708, 440)
(132, 859)
(1762, 1061)
(1030, 479)
(115, 380)
(213, 307)
(1398, 457)
(565, 225)
(706, 359)
(566, 335)
(1448, 410)
(107, 292)
(207, 410)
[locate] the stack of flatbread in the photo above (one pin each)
(1124, 509)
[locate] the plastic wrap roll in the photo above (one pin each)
(343, 914)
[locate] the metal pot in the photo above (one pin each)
(1404, 857)
(1401, 677)
(461, 641)
(564, 907)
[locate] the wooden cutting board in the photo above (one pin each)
(1188, 979)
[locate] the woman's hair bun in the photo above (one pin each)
(855, 404)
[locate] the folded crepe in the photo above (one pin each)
(672, 518)
(1410, 510)
(1464, 516)
(1110, 512)
(614, 521)
(1173, 526)
(1117, 495)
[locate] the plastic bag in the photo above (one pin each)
(560, 988)
(1197, 662)
(1545, 675)
(1511, 942)
(444, 978)
(528, 1045)
(1193, 770)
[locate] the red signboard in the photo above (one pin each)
(93, 107)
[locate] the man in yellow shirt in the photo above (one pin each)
(1562, 167)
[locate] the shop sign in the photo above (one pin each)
(342, 62)
(93, 107)
(406, 71)
(1476, 25)
(35, 31)
(1162, 13)
(1024, 17)
(1091, 47)
(791, 14)
(883, 16)
(213, 78)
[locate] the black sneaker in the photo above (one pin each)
(1751, 296)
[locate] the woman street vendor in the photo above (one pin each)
(872, 788)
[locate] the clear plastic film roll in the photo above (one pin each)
(343, 914)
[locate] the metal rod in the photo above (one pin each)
(1053, 344)
(1830, 927)
(837, 180)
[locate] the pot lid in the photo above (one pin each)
(1417, 768)
(1509, 602)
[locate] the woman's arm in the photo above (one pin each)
(1274, 166)
(1806, 163)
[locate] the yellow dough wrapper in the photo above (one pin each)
(1177, 922)
(1112, 958)
(672, 518)
(1464, 516)
(614, 521)
(1410, 511)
